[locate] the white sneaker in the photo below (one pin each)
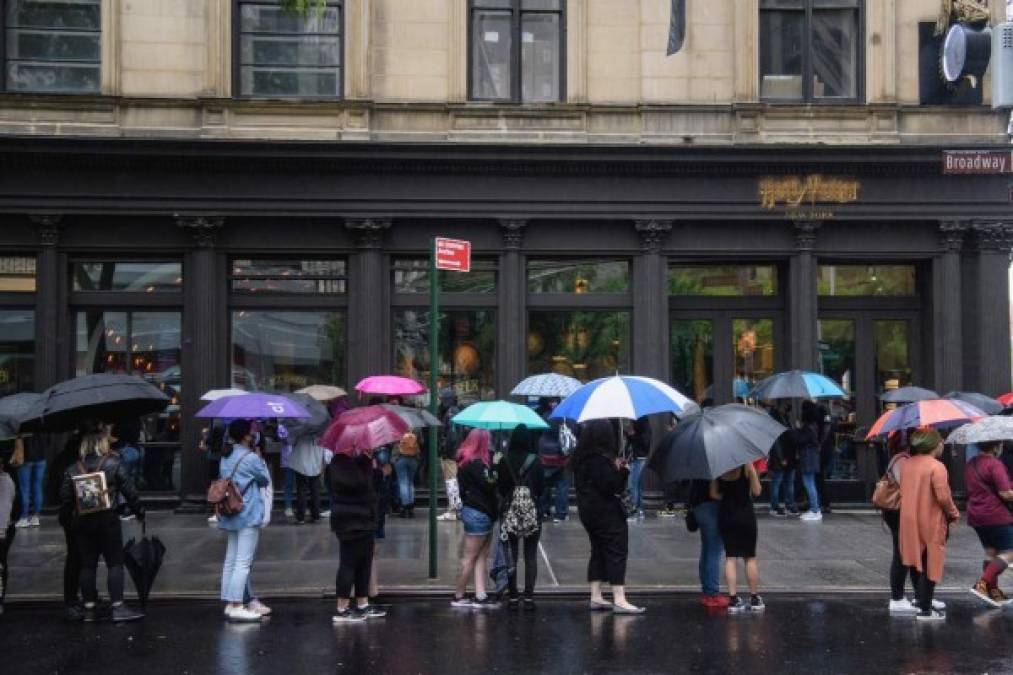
(34, 521)
(449, 515)
(325, 514)
(289, 513)
(23, 523)
(934, 615)
(937, 605)
(259, 607)
(212, 518)
(242, 614)
(811, 516)
(902, 606)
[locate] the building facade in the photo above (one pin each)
(214, 193)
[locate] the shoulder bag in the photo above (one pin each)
(886, 496)
(224, 495)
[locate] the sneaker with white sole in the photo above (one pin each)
(932, 615)
(373, 612)
(242, 615)
(349, 615)
(34, 521)
(448, 516)
(289, 513)
(735, 605)
(22, 523)
(902, 606)
(212, 518)
(259, 607)
(462, 602)
(325, 514)
(937, 605)
(811, 516)
(756, 604)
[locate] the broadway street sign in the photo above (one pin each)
(977, 161)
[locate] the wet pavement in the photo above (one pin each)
(797, 634)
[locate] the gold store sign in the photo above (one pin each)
(802, 196)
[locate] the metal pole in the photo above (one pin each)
(434, 365)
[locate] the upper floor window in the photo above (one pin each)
(127, 276)
(810, 50)
(281, 53)
(273, 277)
(17, 274)
(516, 50)
(53, 46)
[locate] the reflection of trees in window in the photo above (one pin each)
(17, 350)
(693, 358)
(560, 276)
(722, 280)
(866, 280)
(467, 345)
(411, 275)
(582, 344)
(892, 360)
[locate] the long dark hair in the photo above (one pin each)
(597, 437)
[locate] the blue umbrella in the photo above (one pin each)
(797, 384)
(622, 396)
(547, 384)
(498, 415)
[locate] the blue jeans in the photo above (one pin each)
(239, 553)
(787, 477)
(636, 469)
(287, 486)
(809, 482)
(555, 477)
(30, 477)
(405, 468)
(711, 546)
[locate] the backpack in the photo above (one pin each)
(224, 495)
(91, 490)
(521, 517)
(567, 439)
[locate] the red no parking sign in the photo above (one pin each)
(453, 255)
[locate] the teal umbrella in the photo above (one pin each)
(497, 415)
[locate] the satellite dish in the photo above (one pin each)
(965, 53)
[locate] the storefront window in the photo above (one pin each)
(893, 362)
(17, 274)
(866, 280)
(753, 353)
(129, 277)
(286, 351)
(722, 280)
(578, 276)
(267, 277)
(411, 275)
(582, 344)
(467, 344)
(17, 350)
(837, 352)
(693, 358)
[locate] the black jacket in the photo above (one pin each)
(354, 503)
(478, 487)
(533, 479)
(598, 484)
(117, 482)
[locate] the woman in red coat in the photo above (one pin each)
(926, 511)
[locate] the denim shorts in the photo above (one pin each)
(999, 537)
(476, 523)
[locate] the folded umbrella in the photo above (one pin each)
(253, 406)
(939, 413)
(908, 395)
(12, 410)
(323, 392)
(714, 441)
(102, 397)
(985, 430)
(552, 385)
(143, 559)
(985, 403)
(216, 394)
(622, 396)
(317, 421)
(358, 430)
(389, 385)
(498, 415)
(796, 384)
(416, 418)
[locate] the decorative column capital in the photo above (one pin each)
(805, 234)
(513, 232)
(368, 231)
(48, 227)
(993, 236)
(203, 229)
(951, 234)
(652, 233)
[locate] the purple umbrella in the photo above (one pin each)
(252, 406)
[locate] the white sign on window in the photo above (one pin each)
(491, 36)
(527, 37)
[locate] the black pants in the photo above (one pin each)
(926, 588)
(100, 534)
(609, 550)
(355, 567)
(71, 568)
(898, 573)
(5, 549)
(304, 485)
(530, 563)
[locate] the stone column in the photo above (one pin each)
(206, 358)
(511, 319)
(52, 352)
(369, 338)
(802, 307)
(948, 323)
(649, 348)
(990, 362)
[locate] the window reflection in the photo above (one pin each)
(286, 351)
(753, 353)
(693, 358)
(585, 345)
(17, 351)
(288, 276)
(131, 277)
(578, 276)
(866, 280)
(892, 358)
(411, 275)
(722, 280)
(17, 274)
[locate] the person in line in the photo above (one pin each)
(73, 608)
(736, 490)
(807, 443)
(449, 440)
(781, 465)
(989, 495)
(31, 479)
(7, 530)
(926, 511)
(600, 476)
(519, 467)
(706, 510)
(125, 441)
(383, 472)
(306, 463)
(478, 495)
(100, 533)
(354, 523)
(639, 443)
(899, 455)
(554, 462)
(820, 417)
(406, 463)
(249, 472)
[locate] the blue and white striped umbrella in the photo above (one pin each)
(622, 396)
(547, 384)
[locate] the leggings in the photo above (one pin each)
(530, 563)
(898, 573)
(100, 534)
(926, 587)
(355, 567)
(71, 568)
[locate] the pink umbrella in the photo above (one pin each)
(389, 385)
(360, 429)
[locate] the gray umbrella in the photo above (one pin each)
(416, 418)
(314, 424)
(908, 395)
(985, 403)
(717, 440)
(103, 397)
(12, 409)
(985, 430)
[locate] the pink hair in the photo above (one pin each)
(475, 446)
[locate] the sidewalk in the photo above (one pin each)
(847, 552)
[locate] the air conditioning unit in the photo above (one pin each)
(1002, 65)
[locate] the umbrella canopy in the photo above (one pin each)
(940, 413)
(389, 385)
(714, 441)
(625, 396)
(253, 406)
(986, 403)
(12, 409)
(908, 395)
(552, 385)
(216, 394)
(360, 429)
(103, 397)
(143, 559)
(986, 430)
(496, 415)
(416, 418)
(323, 392)
(317, 421)
(797, 384)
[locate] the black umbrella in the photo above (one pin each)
(102, 397)
(908, 395)
(980, 401)
(715, 441)
(12, 409)
(143, 559)
(314, 424)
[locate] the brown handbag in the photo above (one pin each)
(224, 495)
(887, 494)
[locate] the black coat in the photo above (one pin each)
(117, 482)
(599, 484)
(354, 503)
(533, 479)
(478, 487)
